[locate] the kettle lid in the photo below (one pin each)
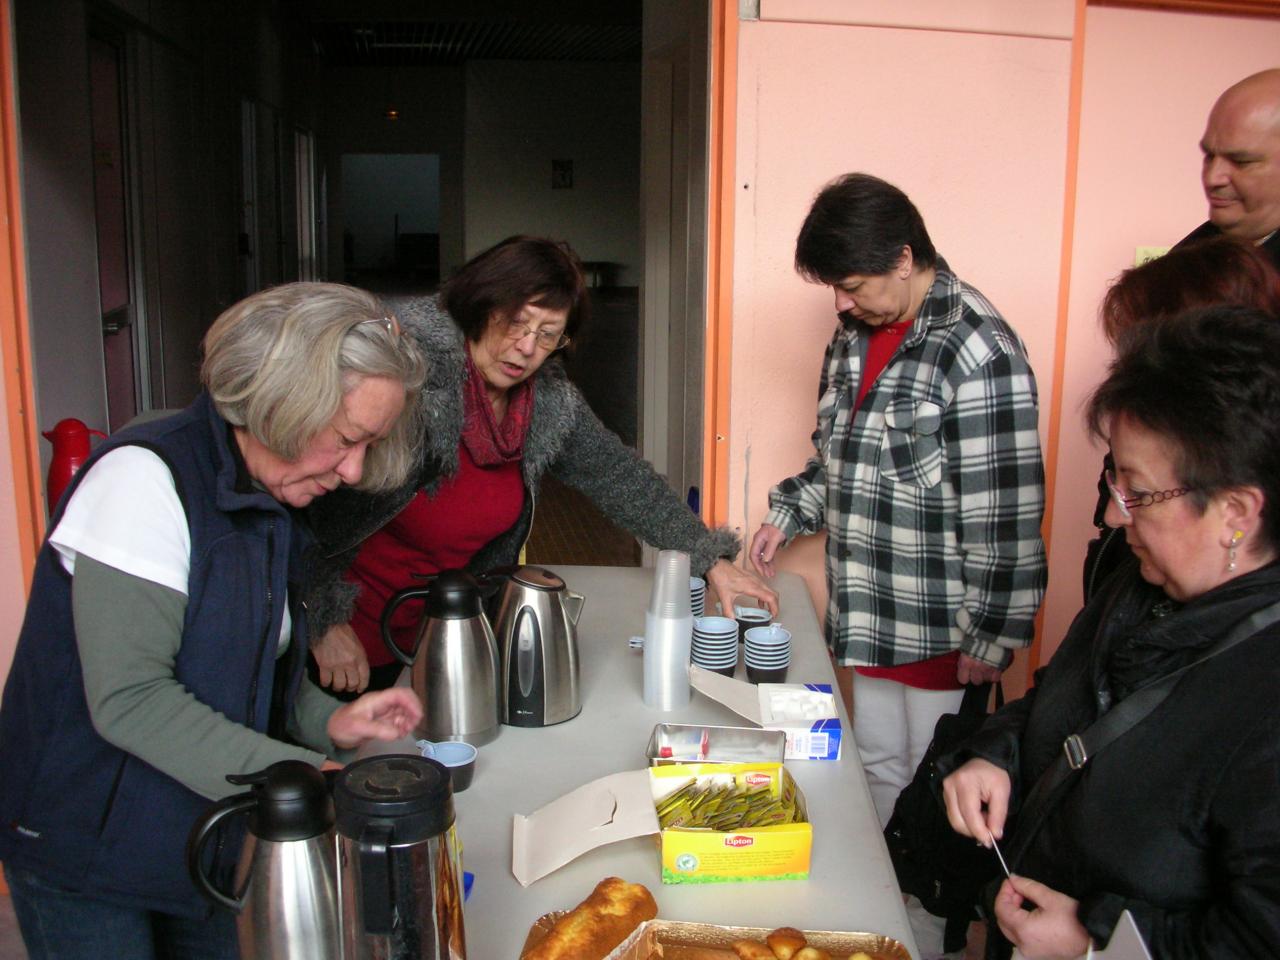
(453, 595)
(539, 577)
(293, 801)
(410, 794)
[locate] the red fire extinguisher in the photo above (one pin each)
(70, 439)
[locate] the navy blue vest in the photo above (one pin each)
(78, 811)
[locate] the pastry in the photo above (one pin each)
(598, 924)
(810, 953)
(752, 950)
(784, 942)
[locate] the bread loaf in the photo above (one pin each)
(598, 924)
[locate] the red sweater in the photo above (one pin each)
(430, 534)
(936, 673)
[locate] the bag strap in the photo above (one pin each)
(976, 696)
(1079, 748)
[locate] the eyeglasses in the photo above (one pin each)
(1131, 501)
(387, 323)
(517, 329)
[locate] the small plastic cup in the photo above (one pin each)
(750, 617)
(458, 756)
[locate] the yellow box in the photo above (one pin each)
(703, 855)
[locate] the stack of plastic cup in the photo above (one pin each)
(697, 595)
(668, 633)
(715, 644)
(768, 654)
(748, 617)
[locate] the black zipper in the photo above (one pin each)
(266, 630)
(111, 795)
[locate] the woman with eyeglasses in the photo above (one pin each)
(1222, 271)
(499, 415)
(165, 639)
(1177, 818)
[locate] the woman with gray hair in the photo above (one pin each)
(165, 640)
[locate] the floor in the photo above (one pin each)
(568, 529)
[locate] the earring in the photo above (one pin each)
(1231, 550)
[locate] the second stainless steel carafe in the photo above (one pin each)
(399, 869)
(455, 667)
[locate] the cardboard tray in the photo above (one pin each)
(693, 743)
(682, 940)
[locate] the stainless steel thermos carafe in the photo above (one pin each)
(285, 883)
(399, 869)
(455, 669)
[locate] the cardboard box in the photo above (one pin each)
(622, 805)
(703, 855)
(702, 743)
(817, 737)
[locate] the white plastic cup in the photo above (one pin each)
(670, 596)
(668, 634)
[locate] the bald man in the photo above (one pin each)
(1241, 172)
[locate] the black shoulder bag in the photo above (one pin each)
(945, 870)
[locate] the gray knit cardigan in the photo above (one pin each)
(564, 437)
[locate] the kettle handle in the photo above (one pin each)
(377, 894)
(399, 597)
(200, 833)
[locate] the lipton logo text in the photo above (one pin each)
(739, 841)
(757, 779)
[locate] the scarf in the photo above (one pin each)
(1147, 637)
(491, 443)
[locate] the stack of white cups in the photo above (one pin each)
(697, 595)
(668, 630)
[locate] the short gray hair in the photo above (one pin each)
(279, 362)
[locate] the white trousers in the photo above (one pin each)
(892, 726)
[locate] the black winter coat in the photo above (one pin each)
(1178, 820)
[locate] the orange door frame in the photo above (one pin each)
(719, 353)
(15, 337)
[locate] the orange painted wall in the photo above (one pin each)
(21, 509)
(1149, 81)
(973, 126)
(971, 119)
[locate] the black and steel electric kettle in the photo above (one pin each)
(535, 622)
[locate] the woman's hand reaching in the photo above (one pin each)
(764, 547)
(978, 784)
(728, 581)
(380, 715)
(341, 659)
(1049, 930)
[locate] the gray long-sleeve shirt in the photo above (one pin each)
(128, 632)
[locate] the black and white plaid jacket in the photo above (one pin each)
(931, 494)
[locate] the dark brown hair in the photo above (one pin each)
(1219, 271)
(1208, 382)
(859, 224)
(513, 272)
